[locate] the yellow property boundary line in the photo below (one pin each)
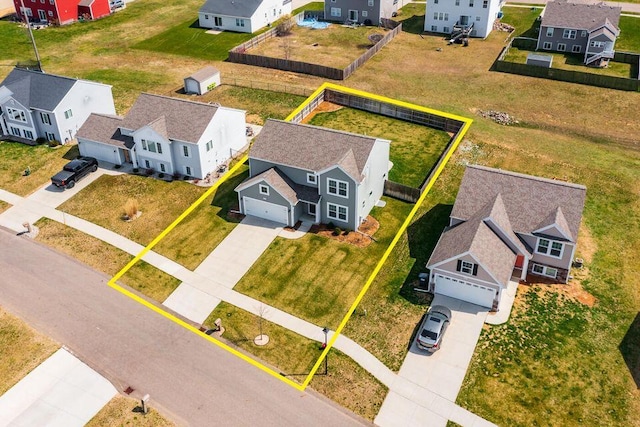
(112, 283)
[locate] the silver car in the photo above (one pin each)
(433, 327)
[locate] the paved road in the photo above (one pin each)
(189, 379)
(626, 7)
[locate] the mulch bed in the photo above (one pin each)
(361, 238)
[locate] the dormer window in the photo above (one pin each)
(467, 267)
(312, 178)
(550, 248)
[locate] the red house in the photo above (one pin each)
(62, 11)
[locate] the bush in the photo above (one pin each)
(347, 231)
(337, 231)
(331, 225)
(41, 140)
(149, 172)
(161, 175)
(117, 166)
(176, 175)
(131, 208)
(186, 177)
(284, 25)
(136, 170)
(54, 143)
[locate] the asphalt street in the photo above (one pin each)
(190, 380)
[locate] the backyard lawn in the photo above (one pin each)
(315, 278)
(21, 350)
(43, 162)
(294, 356)
(414, 148)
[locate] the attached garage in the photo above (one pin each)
(466, 291)
(104, 152)
(266, 210)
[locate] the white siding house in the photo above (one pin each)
(442, 15)
(243, 16)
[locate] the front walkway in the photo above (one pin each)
(62, 391)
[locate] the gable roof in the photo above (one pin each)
(86, 3)
(204, 74)
(105, 128)
(239, 8)
(38, 90)
(312, 148)
(183, 120)
(288, 189)
(579, 15)
(528, 200)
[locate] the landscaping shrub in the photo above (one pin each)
(161, 175)
(136, 170)
(117, 166)
(149, 172)
(131, 208)
(41, 140)
(54, 143)
(337, 231)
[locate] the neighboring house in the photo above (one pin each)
(585, 28)
(6, 8)
(61, 11)
(167, 135)
(503, 225)
(38, 105)
(243, 16)
(202, 81)
(327, 175)
(368, 12)
(478, 16)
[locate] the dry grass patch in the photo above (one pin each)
(4, 206)
(125, 411)
(162, 202)
(21, 350)
(103, 257)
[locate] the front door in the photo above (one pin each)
(312, 209)
(353, 15)
(127, 156)
(42, 14)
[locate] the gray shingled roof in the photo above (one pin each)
(34, 89)
(291, 191)
(204, 74)
(528, 200)
(104, 128)
(496, 212)
(312, 148)
(579, 15)
(239, 8)
(183, 120)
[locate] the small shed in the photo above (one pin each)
(539, 60)
(202, 81)
(93, 9)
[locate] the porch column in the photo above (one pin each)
(318, 207)
(525, 267)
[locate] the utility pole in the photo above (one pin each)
(33, 41)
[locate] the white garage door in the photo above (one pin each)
(470, 292)
(265, 210)
(99, 151)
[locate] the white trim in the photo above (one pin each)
(464, 267)
(463, 277)
(263, 189)
(544, 271)
(549, 247)
(543, 229)
(312, 178)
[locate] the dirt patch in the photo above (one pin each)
(360, 238)
(572, 290)
(324, 107)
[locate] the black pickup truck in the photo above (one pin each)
(74, 171)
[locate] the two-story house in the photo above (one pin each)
(38, 105)
(368, 12)
(242, 16)
(326, 175)
(61, 12)
(476, 17)
(505, 226)
(168, 135)
(590, 29)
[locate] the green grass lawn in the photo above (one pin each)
(629, 39)
(44, 162)
(103, 257)
(294, 356)
(191, 241)
(315, 278)
(317, 5)
(414, 148)
(523, 19)
(188, 39)
(102, 202)
(412, 18)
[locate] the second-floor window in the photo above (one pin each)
(550, 32)
(185, 151)
(467, 267)
(597, 44)
(549, 247)
(68, 114)
(485, 4)
(153, 147)
(45, 118)
(337, 187)
(16, 114)
(569, 34)
(370, 2)
(209, 145)
(311, 178)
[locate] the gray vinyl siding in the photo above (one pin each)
(253, 192)
(41, 127)
(374, 13)
(563, 263)
(28, 125)
(299, 210)
(193, 161)
(350, 202)
(557, 38)
(299, 176)
(481, 278)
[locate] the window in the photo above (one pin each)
(569, 34)
(435, 1)
(49, 136)
(546, 45)
(337, 187)
(17, 115)
(457, 2)
(186, 151)
(338, 212)
(147, 163)
(365, 13)
(159, 147)
(206, 16)
(576, 48)
(15, 131)
(68, 114)
(144, 145)
(264, 189)
(162, 168)
(435, 17)
(50, 13)
(550, 32)
(217, 21)
(209, 145)
(550, 248)
(370, 3)
(28, 134)
(44, 117)
(151, 146)
(544, 270)
(583, 33)
(562, 47)
(470, 3)
(239, 22)
(445, 29)
(311, 178)
(336, 11)
(434, 28)
(52, 2)
(597, 44)
(467, 267)
(485, 4)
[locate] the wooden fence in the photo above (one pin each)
(401, 191)
(239, 55)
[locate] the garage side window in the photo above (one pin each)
(467, 267)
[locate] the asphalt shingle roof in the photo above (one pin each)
(579, 15)
(284, 185)
(38, 90)
(104, 128)
(239, 8)
(312, 148)
(204, 74)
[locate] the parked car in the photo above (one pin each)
(74, 171)
(433, 327)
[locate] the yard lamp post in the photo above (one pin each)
(326, 331)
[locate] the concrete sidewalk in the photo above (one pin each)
(62, 391)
